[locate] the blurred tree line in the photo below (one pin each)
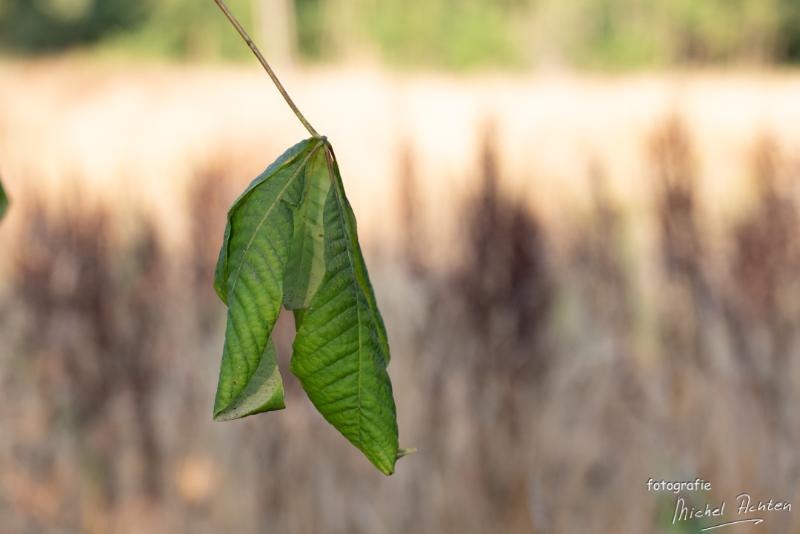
(436, 33)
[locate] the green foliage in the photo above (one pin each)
(47, 25)
(788, 42)
(3, 201)
(447, 33)
(312, 32)
(184, 29)
(451, 34)
(635, 33)
(169, 28)
(291, 239)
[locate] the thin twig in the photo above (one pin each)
(266, 66)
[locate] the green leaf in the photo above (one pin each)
(249, 279)
(306, 267)
(291, 239)
(3, 201)
(291, 156)
(341, 350)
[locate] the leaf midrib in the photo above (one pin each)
(351, 266)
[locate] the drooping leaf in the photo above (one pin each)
(291, 239)
(341, 349)
(249, 279)
(3, 201)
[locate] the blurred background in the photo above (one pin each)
(580, 218)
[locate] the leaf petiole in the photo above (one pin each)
(252, 45)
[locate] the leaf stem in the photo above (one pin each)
(263, 61)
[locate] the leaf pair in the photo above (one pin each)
(291, 240)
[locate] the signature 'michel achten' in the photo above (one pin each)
(745, 506)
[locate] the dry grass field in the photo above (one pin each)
(587, 281)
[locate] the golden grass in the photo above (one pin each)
(577, 326)
(138, 132)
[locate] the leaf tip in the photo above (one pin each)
(386, 468)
